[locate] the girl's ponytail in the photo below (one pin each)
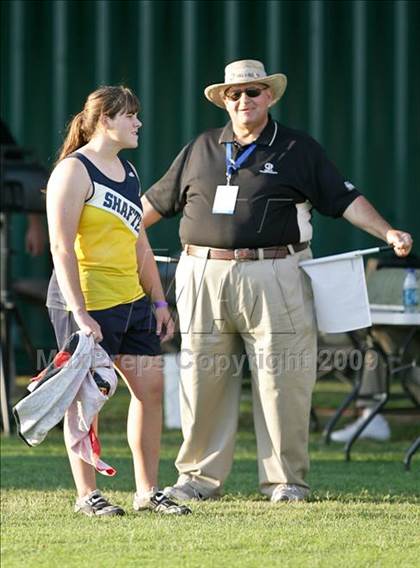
(76, 137)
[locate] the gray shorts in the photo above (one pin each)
(63, 324)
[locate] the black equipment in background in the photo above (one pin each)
(22, 182)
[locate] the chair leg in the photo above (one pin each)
(410, 453)
(339, 412)
(5, 407)
(375, 410)
(354, 394)
(30, 349)
(314, 420)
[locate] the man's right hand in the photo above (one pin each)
(400, 240)
(88, 325)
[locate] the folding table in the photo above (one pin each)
(389, 316)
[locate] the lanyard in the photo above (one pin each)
(233, 165)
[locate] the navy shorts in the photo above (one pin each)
(127, 329)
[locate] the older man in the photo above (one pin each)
(246, 192)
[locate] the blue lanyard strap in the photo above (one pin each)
(233, 165)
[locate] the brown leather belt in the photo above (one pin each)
(244, 253)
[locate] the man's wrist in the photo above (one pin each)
(389, 230)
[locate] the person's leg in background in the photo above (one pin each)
(373, 382)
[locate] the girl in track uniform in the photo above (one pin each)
(106, 282)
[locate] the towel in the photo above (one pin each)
(75, 385)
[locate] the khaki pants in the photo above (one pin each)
(264, 308)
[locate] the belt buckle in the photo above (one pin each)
(242, 254)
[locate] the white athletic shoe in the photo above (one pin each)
(95, 504)
(289, 492)
(156, 501)
(378, 429)
(189, 491)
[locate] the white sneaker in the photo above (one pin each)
(95, 504)
(378, 429)
(289, 492)
(156, 501)
(189, 491)
(142, 501)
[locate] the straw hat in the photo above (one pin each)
(243, 72)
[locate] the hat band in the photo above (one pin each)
(234, 77)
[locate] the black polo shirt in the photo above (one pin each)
(286, 176)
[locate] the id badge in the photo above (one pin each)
(225, 199)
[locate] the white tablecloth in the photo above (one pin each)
(382, 316)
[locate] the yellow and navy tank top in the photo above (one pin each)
(106, 238)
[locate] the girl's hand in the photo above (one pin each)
(88, 325)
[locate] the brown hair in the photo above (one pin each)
(108, 101)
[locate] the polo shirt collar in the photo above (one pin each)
(266, 137)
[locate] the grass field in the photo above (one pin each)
(362, 513)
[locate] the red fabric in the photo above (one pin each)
(96, 445)
(61, 358)
(59, 361)
(96, 450)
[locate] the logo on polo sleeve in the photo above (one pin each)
(349, 185)
(268, 169)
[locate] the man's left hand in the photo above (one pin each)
(401, 241)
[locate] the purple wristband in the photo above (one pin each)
(160, 304)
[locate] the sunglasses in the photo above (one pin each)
(252, 92)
